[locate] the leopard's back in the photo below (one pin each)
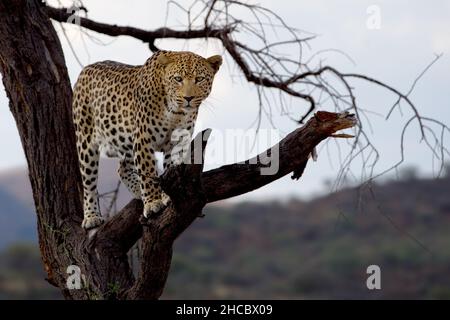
(104, 106)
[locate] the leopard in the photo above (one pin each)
(131, 112)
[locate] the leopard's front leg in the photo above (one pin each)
(154, 198)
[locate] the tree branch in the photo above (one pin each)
(64, 15)
(294, 150)
(280, 64)
(227, 181)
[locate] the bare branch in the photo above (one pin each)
(63, 15)
(231, 180)
(265, 67)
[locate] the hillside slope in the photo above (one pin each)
(17, 220)
(321, 248)
(315, 249)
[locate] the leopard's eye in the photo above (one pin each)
(199, 79)
(178, 79)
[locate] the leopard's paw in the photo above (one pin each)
(165, 199)
(156, 205)
(91, 221)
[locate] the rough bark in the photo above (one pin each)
(38, 88)
(36, 81)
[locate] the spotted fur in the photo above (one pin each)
(131, 112)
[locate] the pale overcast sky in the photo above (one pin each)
(410, 34)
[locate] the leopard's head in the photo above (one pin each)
(187, 78)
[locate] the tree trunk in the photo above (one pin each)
(38, 87)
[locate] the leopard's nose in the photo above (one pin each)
(188, 99)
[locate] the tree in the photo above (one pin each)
(36, 81)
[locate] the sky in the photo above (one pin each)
(406, 37)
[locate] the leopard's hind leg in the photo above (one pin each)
(88, 156)
(129, 177)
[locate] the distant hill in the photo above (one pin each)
(17, 217)
(294, 249)
(321, 248)
(17, 220)
(17, 184)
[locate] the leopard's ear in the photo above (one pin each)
(163, 58)
(215, 62)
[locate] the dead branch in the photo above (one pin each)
(291, 75)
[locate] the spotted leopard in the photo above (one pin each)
(131, 112)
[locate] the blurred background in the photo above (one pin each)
(312, 238)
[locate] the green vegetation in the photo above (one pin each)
(22, 274)
(298, 250)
